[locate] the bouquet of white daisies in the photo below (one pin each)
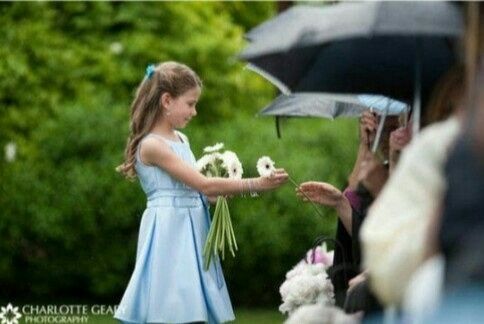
(221, 233)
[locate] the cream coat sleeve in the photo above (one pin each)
(393, 234)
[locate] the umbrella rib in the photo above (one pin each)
(272, 79)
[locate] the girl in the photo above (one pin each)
(168, 284)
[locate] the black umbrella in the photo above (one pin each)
(396, 49)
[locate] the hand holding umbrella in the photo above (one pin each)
(373, 174)
(398, 140)
(368, 126)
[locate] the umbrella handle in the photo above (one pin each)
(405, 121)
(368, 143)
(379, 131)
(417, 93)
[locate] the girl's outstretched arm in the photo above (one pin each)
(156, 152)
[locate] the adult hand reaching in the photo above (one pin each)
(320, 192)
(327, 195)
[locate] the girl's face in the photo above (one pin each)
(180, 110)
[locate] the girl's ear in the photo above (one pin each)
(165, 100)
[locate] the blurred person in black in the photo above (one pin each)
(457, 229)
(462, 224)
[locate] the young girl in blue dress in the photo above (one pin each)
(169, 284)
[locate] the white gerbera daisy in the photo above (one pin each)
(205, 160)
(215, 148)
(265, 166)
(233, 165)
(202, 162)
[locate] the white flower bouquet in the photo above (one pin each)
(221, 233)
(322, 314)
(308, 283)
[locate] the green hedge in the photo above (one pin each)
(68, 221)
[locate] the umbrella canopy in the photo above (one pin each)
(395, 49)
(325, 105)
(331, 105)
(315, 25)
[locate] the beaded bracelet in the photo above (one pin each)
(252, 192)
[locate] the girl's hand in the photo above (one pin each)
(212, 199)
(277, 179)
(368, 127)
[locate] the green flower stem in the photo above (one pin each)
(221, 230)
(222, 239)
(229, 239)
(217, 225)
(228, 231)
(312, 203)
(207, 251)
(211, 235)
(221, 233)
(232, 234)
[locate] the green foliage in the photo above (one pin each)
(249, 14)
(69, 222)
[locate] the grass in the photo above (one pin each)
(243, 316)
(255, 316)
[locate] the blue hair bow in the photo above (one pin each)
(150, 70)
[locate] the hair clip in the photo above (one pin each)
(150, 70)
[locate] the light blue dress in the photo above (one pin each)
(169, 284)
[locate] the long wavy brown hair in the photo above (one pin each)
(446, 96)
(168, 77)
